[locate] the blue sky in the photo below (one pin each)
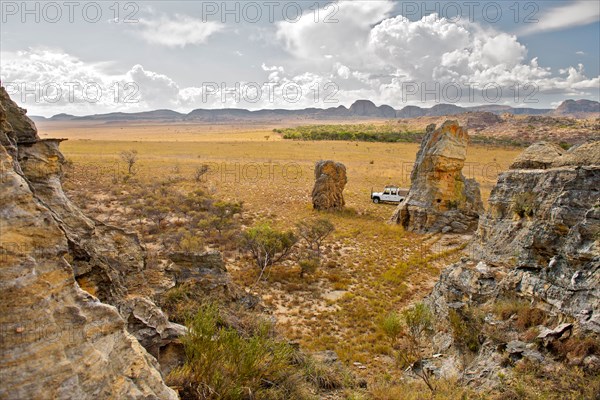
(195, 54)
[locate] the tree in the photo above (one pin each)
(130, 158)
(200, 172)
(267, 245)
(223, 212)
(314, 232)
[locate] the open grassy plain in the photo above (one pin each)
(369, 267)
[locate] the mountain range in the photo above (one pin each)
(360, 109)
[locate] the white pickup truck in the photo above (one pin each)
(390, 194)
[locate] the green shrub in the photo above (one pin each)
(267, 245)
(466, 326)
(308, 266)
(392, 327)
(524, 204)
(223, 364)
(418, 320)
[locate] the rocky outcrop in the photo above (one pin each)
(539, 155)
(544, 225)
(207, 273)
(59, 341)
(440, 197)
(330, 180)
(538, 242)
(13, 121)
(479, 120)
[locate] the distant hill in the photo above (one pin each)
(366, 108)
(57, 117)
(360, 109)
(145, 115)
(577, 107)
(452, 109)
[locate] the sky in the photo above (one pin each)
(94, 57)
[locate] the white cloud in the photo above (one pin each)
(576, 13)
(156, 90)
(343, 71)
(367, 54)
(580, 53)
(347, 37)
(177, 31)
(59, 82)
(429, 51)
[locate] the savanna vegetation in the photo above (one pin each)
(390, 132)
(341, 282)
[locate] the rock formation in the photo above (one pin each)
(330, 180)
(440, 197)
(544, 224)
(59, 341)
(538, 241)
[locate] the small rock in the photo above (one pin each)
(459, 227)
(516, 347)
(326, 357)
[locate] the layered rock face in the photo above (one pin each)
(440, 197)
(544, 224)
(59, 341)
(330, 180)
(539, 241)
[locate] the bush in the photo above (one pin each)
(308, 266)
(418, 320)
(222, 364)
(524, 204)
(465, 328)
(267, 245)
(223, 215)
(391, 325)
(527, 316)
(314, 232)
(129, 157)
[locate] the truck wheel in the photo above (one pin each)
(376, 200)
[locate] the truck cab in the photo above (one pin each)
(390, 194)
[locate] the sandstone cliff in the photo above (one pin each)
(538, 245)
(59, 341)
(440, 197)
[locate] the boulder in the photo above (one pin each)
(539, 155)
(440, 196)
(330, 180)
